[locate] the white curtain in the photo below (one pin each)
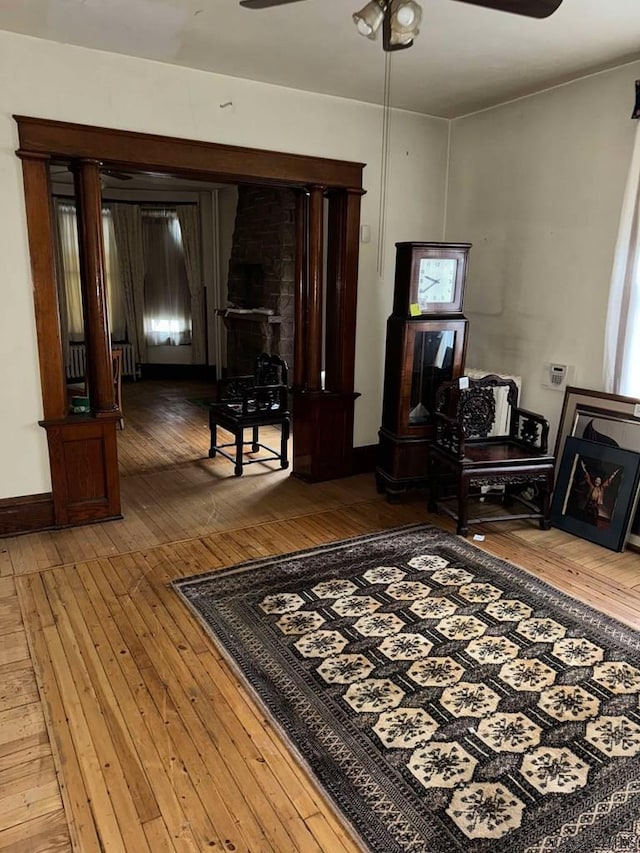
(189, 219)
(72, 323)
(622, 340)
(127, 225)
(167, 301)
(113, 281)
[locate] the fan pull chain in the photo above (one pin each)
(384, 162)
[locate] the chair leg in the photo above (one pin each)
(545, 505)
(463, 506)
(284, 444)
(213, 428)
(239, 440)
(432, 503)
(255, 447)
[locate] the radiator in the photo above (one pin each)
(503, 412)
(77, 361)
(128, 362)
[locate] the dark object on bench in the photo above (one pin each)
(463, 454)
(252, 401)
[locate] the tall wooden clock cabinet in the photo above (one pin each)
(426, 345)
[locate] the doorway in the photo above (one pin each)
(202, 319)
(323, 430)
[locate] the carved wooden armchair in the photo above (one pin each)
(463, 458)
(252, 401)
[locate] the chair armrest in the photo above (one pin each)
(449, 435)
(530, 429)
(233, 387)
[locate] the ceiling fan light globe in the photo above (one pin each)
(369, 19)
(406, 16)
(362, 26)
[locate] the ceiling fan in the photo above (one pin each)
(400, 19)
(119, 176)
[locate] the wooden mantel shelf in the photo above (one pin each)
(248, 316)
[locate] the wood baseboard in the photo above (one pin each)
(26, 514)
(364, 458)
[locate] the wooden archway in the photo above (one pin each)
(82, 449)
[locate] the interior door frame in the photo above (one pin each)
(323, 426)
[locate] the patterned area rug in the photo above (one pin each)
(445, 700)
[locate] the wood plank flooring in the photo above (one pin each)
(153, 744)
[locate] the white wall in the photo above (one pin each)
(536, 185)
(67, 83)
(168, 355)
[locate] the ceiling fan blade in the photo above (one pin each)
(531, 8)
(264, 4)
(119, 176)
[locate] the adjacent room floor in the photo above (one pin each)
(121, 728)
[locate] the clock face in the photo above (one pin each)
(436, 281)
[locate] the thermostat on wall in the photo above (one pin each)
(557, 376)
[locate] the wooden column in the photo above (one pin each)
(301, 294)
(96, 325)
(342, 285)
(37, 191)
(315, 303)
(323, 440)
(82, 450)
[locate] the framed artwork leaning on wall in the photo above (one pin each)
(605, 419)
(596, 492)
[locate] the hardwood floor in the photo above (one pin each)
(121, 726)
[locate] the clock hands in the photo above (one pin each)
(433, 281)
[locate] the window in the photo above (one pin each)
(622, 342)
(70, 266)
(167, 299)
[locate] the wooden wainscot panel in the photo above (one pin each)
(84, 469)
(402, 463)
(26, 513)
(323, 448)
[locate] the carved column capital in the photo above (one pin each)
(33, 155)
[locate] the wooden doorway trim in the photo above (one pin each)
(323, 427)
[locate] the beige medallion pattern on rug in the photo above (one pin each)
(445, 700)
(480, 810)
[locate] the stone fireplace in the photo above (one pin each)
(260, 313)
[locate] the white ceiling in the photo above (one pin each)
(465, 58)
